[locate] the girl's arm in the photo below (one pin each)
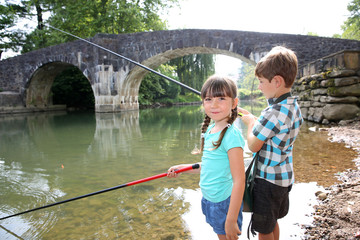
(172, 174)
(238, 174)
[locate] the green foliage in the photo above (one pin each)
(247, 82)
(246, 94)
(351, 26)
(85, 18)
(10, 38)
(336, 35)
(72, 88)
(154, 88)
(193, 70)
(247, 79)
(312, 34)
(189, 97)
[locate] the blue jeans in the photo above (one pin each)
(216, 213)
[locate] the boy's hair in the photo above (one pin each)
(217, 86)
(279, 61)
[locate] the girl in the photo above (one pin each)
(222, 174)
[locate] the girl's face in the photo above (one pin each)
(219, 108)
(267, 88)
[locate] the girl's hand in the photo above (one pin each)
(171, 171)
(232, 230)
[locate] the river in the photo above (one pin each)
(50, 157)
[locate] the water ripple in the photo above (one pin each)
(35, 191)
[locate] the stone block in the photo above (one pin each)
(337, 112)
(318, 115)
(329, 99)
(317, 98)
(311, 111)
(317, 104)
(327, 83)
(338, 82)
(351, 90)
(319, 91)
(305, 104)
(304, 112)
(341, 73)
(10, 99)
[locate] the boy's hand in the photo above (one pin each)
(246, 117)
(242, 112)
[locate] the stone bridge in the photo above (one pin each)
(115, 82)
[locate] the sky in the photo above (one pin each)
(322, 17)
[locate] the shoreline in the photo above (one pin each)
(337, 215)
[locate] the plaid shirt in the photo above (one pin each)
(278, 126)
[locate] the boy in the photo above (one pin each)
(273, 134)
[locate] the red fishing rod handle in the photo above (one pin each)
(194, 166)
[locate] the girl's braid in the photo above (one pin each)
(204, 127)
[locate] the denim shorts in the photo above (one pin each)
(215, 214)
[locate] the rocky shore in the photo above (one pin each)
(337, 216)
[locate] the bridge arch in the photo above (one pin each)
(136, 75)
(115, 81)
(38, 89)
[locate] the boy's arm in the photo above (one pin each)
(249, 120)
(254, 143)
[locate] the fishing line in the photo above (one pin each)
(194, 166)
(127, 59)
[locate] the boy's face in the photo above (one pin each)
(267, 88)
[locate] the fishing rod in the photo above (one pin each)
(194, 166)
(127, 59)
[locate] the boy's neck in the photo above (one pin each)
(281, 92)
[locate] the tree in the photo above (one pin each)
(154, 88)
(351, 26)
(193, 70)
(248, 82)
(247, 78)
(12, 38)
(85, 18)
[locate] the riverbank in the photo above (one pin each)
(337, 216)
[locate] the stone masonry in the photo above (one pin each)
(115, 81)
(329, 88)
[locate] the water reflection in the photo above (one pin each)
(49, 157)
(113, 132)
(316, 159)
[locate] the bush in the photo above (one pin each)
(245, 94)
